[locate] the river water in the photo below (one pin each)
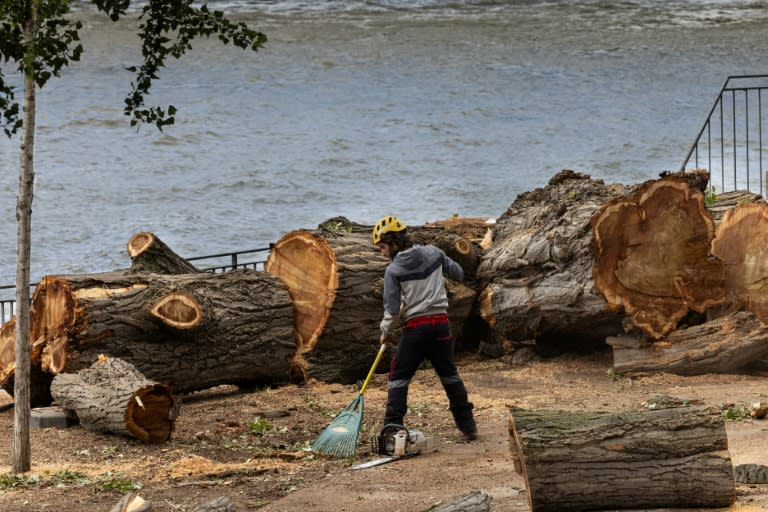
(418, 108)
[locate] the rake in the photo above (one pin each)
(340, 436)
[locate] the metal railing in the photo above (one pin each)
(731, 138)
(254, 258)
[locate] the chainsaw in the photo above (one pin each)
(396, 442)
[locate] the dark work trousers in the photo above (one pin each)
(432, 340)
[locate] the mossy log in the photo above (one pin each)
(665, 458)
(335, 278)
(188, 331)
(112, 396)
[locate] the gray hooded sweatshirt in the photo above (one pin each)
(414, 279)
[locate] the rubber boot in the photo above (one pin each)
(461, 408)
(397, 405)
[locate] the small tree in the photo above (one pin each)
(37, 35)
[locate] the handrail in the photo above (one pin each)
(8, 306)
(742, 135)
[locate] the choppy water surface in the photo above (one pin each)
(418, 108)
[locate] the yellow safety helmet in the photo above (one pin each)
(386, 225)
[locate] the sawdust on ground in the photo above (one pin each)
(252, 446)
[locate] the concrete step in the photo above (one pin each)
(52, 417)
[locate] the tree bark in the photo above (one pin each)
(132, 502)
(666, 458)
(150, 254)
(537, 275)
(112, 396)
(188, 331)
(729, 344)
(653, 256)
(335, 278)
(475, 501)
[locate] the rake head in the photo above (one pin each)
(340, 436)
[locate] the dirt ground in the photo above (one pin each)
(252, 447)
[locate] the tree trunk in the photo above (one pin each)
(653, 255)
(537, 275)
(188, 331)
(740, 244)
(666, 458)
(21, 415)
(335, 278)
(150, 254)
(729, 344)
(112, 396)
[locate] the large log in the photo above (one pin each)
(537, 275)
(740, 243)
(665, 458)
(188, 331)
(653, 256)
(113, 397)
(335, 277)
(734, 343)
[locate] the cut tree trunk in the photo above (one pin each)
(653, 256)
(188, 331)
(729, 344)
(665, 458)
(335, 277)
(740, 243)
(537, 275)
(112, 396)
(150, 254)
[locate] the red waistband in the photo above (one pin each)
(427, 320)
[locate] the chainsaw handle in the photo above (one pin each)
(373, 368)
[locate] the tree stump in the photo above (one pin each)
(666, 458)
(653, 255)
(537, 275)
(733, 343)
(112, 396)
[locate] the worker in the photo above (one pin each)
(413, 281)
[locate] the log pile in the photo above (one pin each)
(649, 269)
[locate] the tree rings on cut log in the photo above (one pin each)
(742, 245)
(663, 458)
(335, 282)
(653, 255)
(113, 396)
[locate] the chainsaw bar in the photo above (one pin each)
(383, 460)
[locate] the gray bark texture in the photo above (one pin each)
(733, 343)
(112, 396)
(537, 275)
(475, 501)
(187, 331)
(673, 457)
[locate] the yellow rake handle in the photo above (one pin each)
(373, 368)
